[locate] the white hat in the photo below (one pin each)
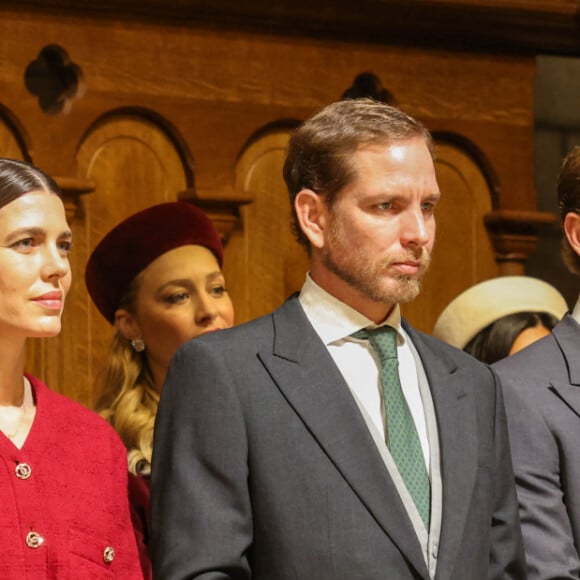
(493, 299)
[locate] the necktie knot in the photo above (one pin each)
(383, 339)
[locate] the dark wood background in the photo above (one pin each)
(145, 101)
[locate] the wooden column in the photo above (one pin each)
(514, 236)
(223, 208)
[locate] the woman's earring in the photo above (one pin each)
(138, 345)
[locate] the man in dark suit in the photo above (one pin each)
(542, 391)
(292, 447)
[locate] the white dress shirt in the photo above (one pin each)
(335, 322)
(357, 360)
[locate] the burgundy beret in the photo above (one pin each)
(137, 241)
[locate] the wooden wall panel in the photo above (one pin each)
(202, 93)
(134, 164)
(275, 265)
(212, 85)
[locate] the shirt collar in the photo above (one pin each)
(334, 320)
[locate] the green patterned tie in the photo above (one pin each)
(402, 438)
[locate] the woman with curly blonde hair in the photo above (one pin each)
(157, 278)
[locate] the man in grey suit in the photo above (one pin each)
(542, 396)
(292, 447)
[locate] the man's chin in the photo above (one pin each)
(409, 290)
(401, 291)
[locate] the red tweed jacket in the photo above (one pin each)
(64, 510)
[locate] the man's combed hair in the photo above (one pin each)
(320, 150)
(569, 201)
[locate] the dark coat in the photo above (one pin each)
(264, 468)
(542, 398)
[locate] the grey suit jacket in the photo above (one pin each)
(264, 468)
(542, 397)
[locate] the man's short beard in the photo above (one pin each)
(355, 268)
(369, 282)
(407, 290)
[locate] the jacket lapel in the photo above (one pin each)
(308, 378)
(451, 389)
(566, 335)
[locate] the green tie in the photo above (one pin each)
(402, 437)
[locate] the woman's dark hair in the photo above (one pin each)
(495, 341)
(18, 178)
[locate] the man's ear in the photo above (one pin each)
(572, 230)
(126, 324)
(312, 215)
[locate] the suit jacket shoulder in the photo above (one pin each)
(554, 358)
(542, 397)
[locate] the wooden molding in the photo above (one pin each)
(492, 26)
(222, 207)
(514, 236)
(72, 188)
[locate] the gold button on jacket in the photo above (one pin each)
(34, 540)
(23, 471)
(108, 555)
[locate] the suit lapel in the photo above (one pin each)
(308, 378)
(451, 389)
(570, 394)
(566, 335)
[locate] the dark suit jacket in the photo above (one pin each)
(542, 392)
(264, 467)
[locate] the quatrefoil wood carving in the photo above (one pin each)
(54, 79)
(368, 85)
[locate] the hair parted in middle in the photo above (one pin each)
(569, 201)
(18, 178)
(319, 156)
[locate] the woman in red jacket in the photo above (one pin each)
(63, 507)
(157, 278)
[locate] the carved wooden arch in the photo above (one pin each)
(14, 140)
(479, 158)
(275, 127)
(16, 144)
(123, 149)
(513, 232)
(163, 125)
(265, 264)
(136, 159)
